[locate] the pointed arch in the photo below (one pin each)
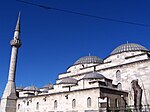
(55, 104)
(73, 103)
(88, 102)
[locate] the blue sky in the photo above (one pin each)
(53, 40)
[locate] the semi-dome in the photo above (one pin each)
(68, 80)
(93, 75)
(31, 88)
(89, 59)
(128, 47)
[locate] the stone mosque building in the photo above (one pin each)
(90, 84)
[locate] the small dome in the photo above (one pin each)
(94, 75)
(20, 88)
(89, 59)
(48, 86)
(69, 80)
(31, 88)
(128, 47)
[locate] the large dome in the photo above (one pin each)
(88, 59)
(128, 47)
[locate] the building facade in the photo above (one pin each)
(91, 84)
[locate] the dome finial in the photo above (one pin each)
(89, 54)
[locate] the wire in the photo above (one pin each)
(83, 14)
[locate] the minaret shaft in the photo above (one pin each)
(13, 61)
(10, 87)
(9, 98)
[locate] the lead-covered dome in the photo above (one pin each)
(93, 75)
(31, 88)
(128, 47)
(68, 80)
(48, 86)
(89, 59)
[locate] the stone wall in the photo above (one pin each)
(64, 102)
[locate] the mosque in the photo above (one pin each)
(90, 84)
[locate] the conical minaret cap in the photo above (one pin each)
(18, 23)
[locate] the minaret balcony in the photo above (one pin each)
(16, 43)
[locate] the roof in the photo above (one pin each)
(31, 88)
(128, 47)
(93, 75)
(88, 59)
(68, 80)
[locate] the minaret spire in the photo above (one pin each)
(8, 100)
(18, 23)
(17, 29)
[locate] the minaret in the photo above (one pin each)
(9, 98)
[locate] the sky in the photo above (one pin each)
(53, 40)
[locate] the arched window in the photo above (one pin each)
(55, 104)
(73, 103)
(108, 102)
(118, 56)
(116, 103)
(88, 102)
(27, 103)
(119, 86)
(118, 76)
(18, 106)
(37, 106)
